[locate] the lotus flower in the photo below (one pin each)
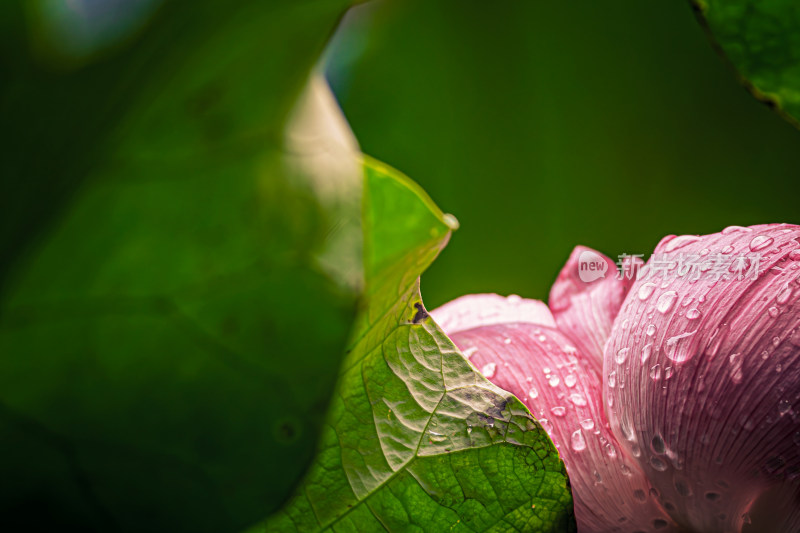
(672, 394)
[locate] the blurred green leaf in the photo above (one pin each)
(761, 38)
(417, 438)
(169, 284)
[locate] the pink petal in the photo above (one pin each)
(585, 308)
(541, 367)
(706, 393)
(476, 310)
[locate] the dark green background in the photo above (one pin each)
(543, 125)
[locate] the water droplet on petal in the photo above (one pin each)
(612, 379)
(611, 452)
(570, 380)
(760, 242)
(577, 399)
(784, 295)
(713, 496)
(784, 407)
(655, 372)
(668, 372)
(639, 495)
(680, 242)
(657, 445)
(776, 341)
(533, 394)
(693, 313)
(746, 518)
(646, 351)
(469, 352)
(578, 442)
(559, 410)
(507, 340)
(651, 330)
(735, 229)
(773, 312)
(794, 255)
(488, 370)
(728, 249)
(587, 424)
(646, 290)
(658, 464)
(553, 381)
(666, 301)
(622, 355)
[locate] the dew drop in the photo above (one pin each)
(646, 351)
(658, 464)
(489, 370)
(736, 367)
(612, 379)
(578, 442)
(760, 242)
(728, 249)
(680, 242)
(657, 445)
(651, 330)
(734, 229)
(646, 290)
(622, 355)
(776, 341)
(570, 380)
(639, 495)
(577, 399)
(655, 372)
(713, 496)
(507, 340)
(784, 407)
(553, 381)
(533, 393)
(773, 312)
(587, 424)
(469, 352)
(794, 255)
(668, 372)
(693, 313)
(611, 452)
(559, 410)
(666, 302)
(746, 518)
(784, 295)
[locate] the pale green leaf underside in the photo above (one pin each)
(417, 440)
(761, 38)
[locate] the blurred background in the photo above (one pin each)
(543, 125)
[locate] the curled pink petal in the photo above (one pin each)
(585, 301)
(475, 310)
(542, 368)
(706, 388)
